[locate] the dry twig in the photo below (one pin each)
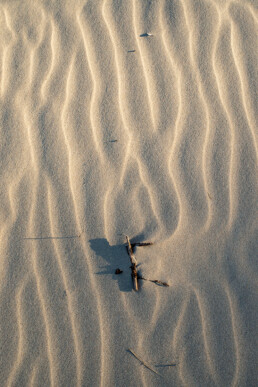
(143, 363)
(154, 281)
(133, 265)
(135, 276)
(141, 244)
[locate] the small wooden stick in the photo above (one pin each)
(154, 281)
(143, 363)
(133, 266)
(142, 244)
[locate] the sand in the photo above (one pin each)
(107, 133)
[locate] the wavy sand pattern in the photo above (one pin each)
(104, 133)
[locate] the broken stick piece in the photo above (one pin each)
(160, 282)
(154, 281)
(141, 244)
(143, 363)
(133, 266)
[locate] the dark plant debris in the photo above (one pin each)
(145, 35)
(134, 264)
(143, 363)
(157, 282)
(135, 275)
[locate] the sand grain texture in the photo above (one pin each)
(107, 132)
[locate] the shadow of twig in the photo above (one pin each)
(54, 237)
(116, 257)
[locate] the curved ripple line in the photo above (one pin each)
(251, 10)
(53, 60)
(51, 360)
(33, 375)
(239, 137)
(236, 334)
(177, 333)
(101, 324)
(205, 336)
(4, 73)
(76, 341)
(33, 48)
(30, 140)
(178, 126)
(120, 98)
(21, 335)
(233, 140)
(148, 87)
(179, 112)
(42, 303)
(206, 109)
(242, 87)
(95, 83)
(147, 186)
(66, 139)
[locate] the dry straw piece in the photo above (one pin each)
(141, 244)
(154, 281)
(133, 265)
(143, 363)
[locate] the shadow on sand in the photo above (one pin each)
(116, 257)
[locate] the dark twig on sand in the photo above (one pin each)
(143, 363)
(133, 265)
(136, 276)
(154, 281)
(141, 244)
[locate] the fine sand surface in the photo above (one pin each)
(106, 133)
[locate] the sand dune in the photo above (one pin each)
(130, 118)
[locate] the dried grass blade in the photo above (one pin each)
(143, 363)
(154, 281)
(142, 244)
